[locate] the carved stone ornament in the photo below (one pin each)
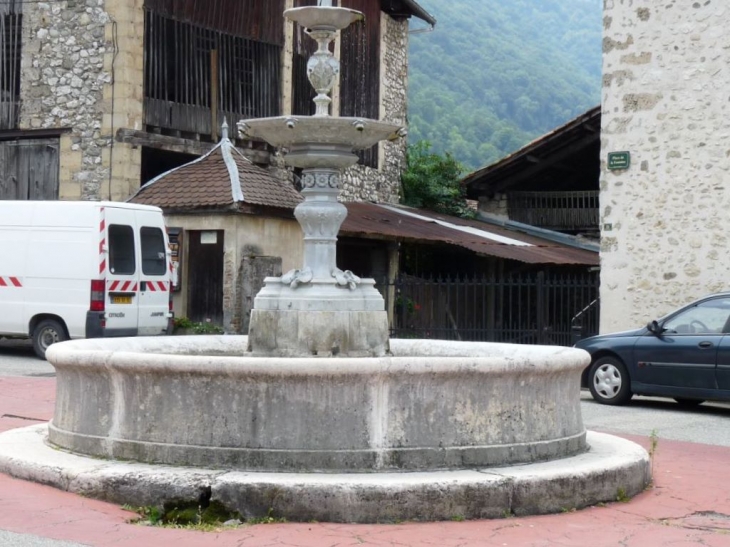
(346, 278)
(294, 278)
(321, 180)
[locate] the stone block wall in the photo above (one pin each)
(382, 185)
(72, 52)
(666, 100)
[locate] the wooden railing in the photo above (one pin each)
(194, 77)
(567, 211)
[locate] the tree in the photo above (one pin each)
(432, 181)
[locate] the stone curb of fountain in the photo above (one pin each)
(613, 468)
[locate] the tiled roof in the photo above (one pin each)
(220, 179)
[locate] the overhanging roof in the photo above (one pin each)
(395, 222)
(407, 8)
(550, 150)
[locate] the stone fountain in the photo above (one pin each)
(317, 415)
(319, 309)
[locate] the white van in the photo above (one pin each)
(71, 269)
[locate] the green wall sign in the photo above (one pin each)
(619, 160)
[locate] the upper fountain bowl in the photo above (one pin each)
(323, 18)
(319, 141)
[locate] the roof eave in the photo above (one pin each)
(407, 8)
(421, 13)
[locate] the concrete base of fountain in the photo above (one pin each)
(611, 468)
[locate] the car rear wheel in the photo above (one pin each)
(609, 381)
(45, 334)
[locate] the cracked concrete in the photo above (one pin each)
(689, 488)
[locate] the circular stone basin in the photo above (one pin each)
(200, 401)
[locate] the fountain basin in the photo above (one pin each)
(318, 141)
(200, 401)
(331, 18)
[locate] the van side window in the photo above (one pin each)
(121, 250)
(154, 257)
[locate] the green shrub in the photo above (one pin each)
(190, 327)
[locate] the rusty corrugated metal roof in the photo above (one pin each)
(419, 226)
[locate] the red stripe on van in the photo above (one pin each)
(15, 281)
(2, 282)
(162, 285)
(102, 243)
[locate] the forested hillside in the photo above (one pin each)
(496, 74)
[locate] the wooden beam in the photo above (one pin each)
(186, 146)
(214, 87)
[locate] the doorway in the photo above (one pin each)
(205, 276)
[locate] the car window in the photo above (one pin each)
(709, 317)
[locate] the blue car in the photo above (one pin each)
(684, 355)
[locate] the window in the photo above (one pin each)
(154, 256)
(708, 317)
(121, 250)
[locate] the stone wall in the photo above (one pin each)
(496, 206)
(383, 185)
(62, 83)
(666, 93)
(72, 52)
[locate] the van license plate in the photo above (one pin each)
(121, 299)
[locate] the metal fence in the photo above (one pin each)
(541, 308)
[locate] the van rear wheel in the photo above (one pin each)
(45, 334)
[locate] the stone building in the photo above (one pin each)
(665, 102)
(100, 96)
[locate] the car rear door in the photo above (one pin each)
(154, 276)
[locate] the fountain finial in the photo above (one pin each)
(224, 129)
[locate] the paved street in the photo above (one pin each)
(17, 359)
(706, 424)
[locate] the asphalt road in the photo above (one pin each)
(17, 359)
(706, 424)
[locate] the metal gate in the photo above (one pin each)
(540, 308)
(29, 169)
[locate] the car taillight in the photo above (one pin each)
(97, 295)
(170, 301)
